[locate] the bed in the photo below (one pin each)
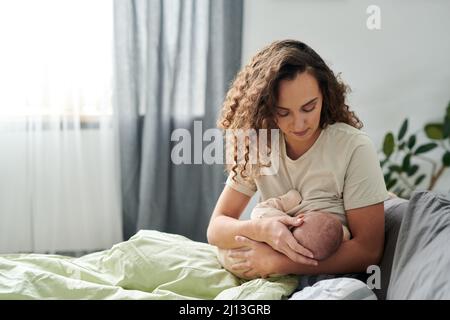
(157, 265)
(150, 265)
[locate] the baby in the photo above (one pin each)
(320, 232)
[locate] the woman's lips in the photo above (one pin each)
(300, 133)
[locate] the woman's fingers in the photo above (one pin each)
(292, 221)
(298, 248)
(241, 266)
(305, 260)
(238, 253)
(250, 274)
(241, 239)
(300, 258)
(245, 241)
(300, 254)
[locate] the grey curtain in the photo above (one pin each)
(174, 61)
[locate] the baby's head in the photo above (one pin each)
(321, 233)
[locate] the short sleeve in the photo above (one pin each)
(247, 187)
(364, 182)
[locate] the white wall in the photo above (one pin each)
(399, 71)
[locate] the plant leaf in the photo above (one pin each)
(412, 170)
(446, 159)
(419, 179)
(391, 184)
(434, 131)
(388, 144)
(446, 130)
(446, 121)
(411, 141)
(395, 168)
(426, 147)
(448, 110)
(406, 164)
(403, 129)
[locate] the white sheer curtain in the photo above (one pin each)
(59, 188)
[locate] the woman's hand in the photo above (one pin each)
(256, 259)
(275, 231)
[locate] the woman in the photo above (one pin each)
(323, 155)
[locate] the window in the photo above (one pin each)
(55, 58)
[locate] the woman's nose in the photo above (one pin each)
(299, 123)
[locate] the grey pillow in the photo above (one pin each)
(421, 263)
(394, 210)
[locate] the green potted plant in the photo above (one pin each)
(405, 163)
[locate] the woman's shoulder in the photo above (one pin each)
(344, 129)
(341, 134)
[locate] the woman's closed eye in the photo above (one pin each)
(309, 108)
(282, 112)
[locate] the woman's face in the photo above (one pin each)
(298, 109)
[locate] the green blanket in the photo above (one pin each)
(151, 265)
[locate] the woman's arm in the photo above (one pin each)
(364, 249)
(225, 225)
(355, 255)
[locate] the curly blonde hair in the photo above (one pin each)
(251, 100)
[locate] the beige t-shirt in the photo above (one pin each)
(341, 171)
